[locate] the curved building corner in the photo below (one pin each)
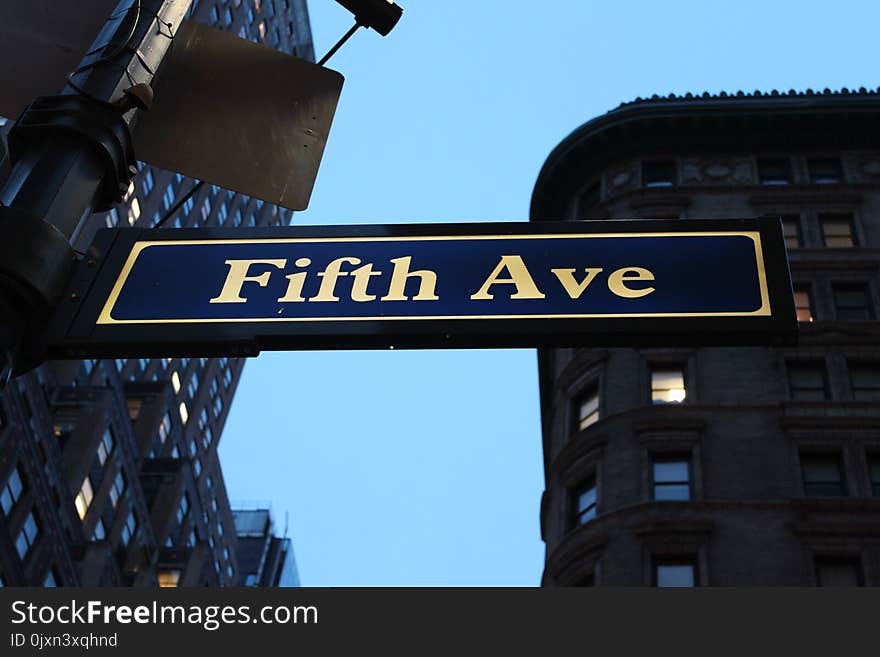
(724, 466)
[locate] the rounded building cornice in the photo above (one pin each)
(704, 124)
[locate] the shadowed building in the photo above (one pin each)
(724, 466)
(108, 469)
(263, 558)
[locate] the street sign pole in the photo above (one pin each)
(71, 155)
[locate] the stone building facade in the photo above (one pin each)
(725, 465)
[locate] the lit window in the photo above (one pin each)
(667, 384)
(168, 579)
(27, 536)
(133, 405)
(585, 502)
(672, 478)
(776, 171)
(851, 302)
(806, 381)
(134, 211)
(129, 191)
(84, 498)
(587, 406)
(803, 304)
(865, 380)
(822, 475)
(825, 170)
(261, 28)
(184, 414)
(675, 573)
(165, 427)
(838, 571)
(659, 173)
(175, 381)
(837, 230)
(105, 447)
(12, 491)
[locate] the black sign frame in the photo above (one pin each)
(73, 332)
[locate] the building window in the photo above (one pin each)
(182, 508)
(168, 197)
(184, 414)
(667, 384)
(852, 303)
(27, 536)
(147, 183)
(678, 572)
(134, 211)
(865, 380)
(586, 407)
(824, 170)
(175, 381)
(585, 501)
(12, 491)
(807, 382)
(206, 209)
(192, 388)
(129, 528)
(84, 498)
(823, 475)
(117, 489)
(803, 303)
(133, 405)
(838, 571)
(168, 579)
(837, 230)
(672, 477)
(791, 231)
(165, 427)
(50, 581)
(658, 173)
(100, 532)
(105, 447)
(774, 171)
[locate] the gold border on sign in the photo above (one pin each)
(105, 317)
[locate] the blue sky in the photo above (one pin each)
(424, 467)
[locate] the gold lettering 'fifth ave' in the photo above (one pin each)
(240, 272)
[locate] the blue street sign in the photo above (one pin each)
(422, 285)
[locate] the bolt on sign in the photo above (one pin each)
(614, 283)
